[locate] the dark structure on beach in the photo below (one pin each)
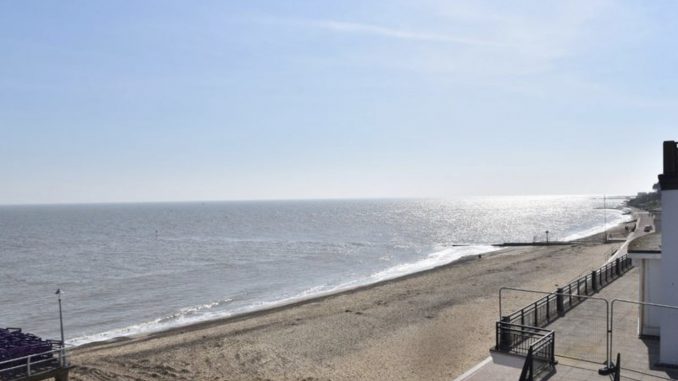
(27, 357)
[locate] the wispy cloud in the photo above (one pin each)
(534, 50)
(382, 31)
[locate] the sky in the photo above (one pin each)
(126, 101)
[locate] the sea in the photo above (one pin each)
(126, 269)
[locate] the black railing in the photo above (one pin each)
(539, 357)
(617, 368)
(548, 308)
(527, 374)
(537, 344)
(518, 339)
(521, 332)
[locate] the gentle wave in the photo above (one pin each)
(210, 311)
(614, 219)
(436, 259)
(183, 317)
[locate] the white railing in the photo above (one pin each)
(35, 364)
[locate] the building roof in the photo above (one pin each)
(650, 243)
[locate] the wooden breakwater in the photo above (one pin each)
(553, 243)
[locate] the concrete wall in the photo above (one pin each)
(658, 222)
(652, 315)
(668, 353)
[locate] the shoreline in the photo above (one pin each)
(269, 310)
(502, 249)
(432, 324)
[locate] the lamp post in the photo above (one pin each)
(547, 237)
(61, 327)
(604, 219)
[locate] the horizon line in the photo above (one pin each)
(292, 199)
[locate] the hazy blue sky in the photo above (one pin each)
(211, 100)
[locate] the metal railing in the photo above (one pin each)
(516, 332)
(533, 363)
(548, 308)
(518, 339)
(664, 307)
(527, 374)
(521, 339)
(34, 364)
(537, 344)
(505, 319)
(617, 369)
(543, 351)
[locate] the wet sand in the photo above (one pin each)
(427, 326)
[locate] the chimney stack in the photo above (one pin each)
(669, 179)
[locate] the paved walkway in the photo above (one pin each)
(644, 219)
(581, 342)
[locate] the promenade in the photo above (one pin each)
(580, 342)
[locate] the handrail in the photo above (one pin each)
(526, 326)
(544, 293)
(30, 361)
(543, 338)
(607, 313)
(59, 349)
(527, 374)
(597, 279)
(540, 351)
(517, 339)
(606, 269)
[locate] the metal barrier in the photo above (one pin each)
(525, 339)
(548, 308)
(533, 365)
(553, 295)
(617, 369)
(517, 339)
(527, 374)
(35, 364)
(536, 344)
(633, 302)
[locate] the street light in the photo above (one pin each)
(605, 219)
(61, 327)
(547, 237)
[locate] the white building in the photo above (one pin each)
(657, 257)
(646, 254)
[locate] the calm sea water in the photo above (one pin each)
(131, 268)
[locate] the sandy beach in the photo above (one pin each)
(427, 326)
